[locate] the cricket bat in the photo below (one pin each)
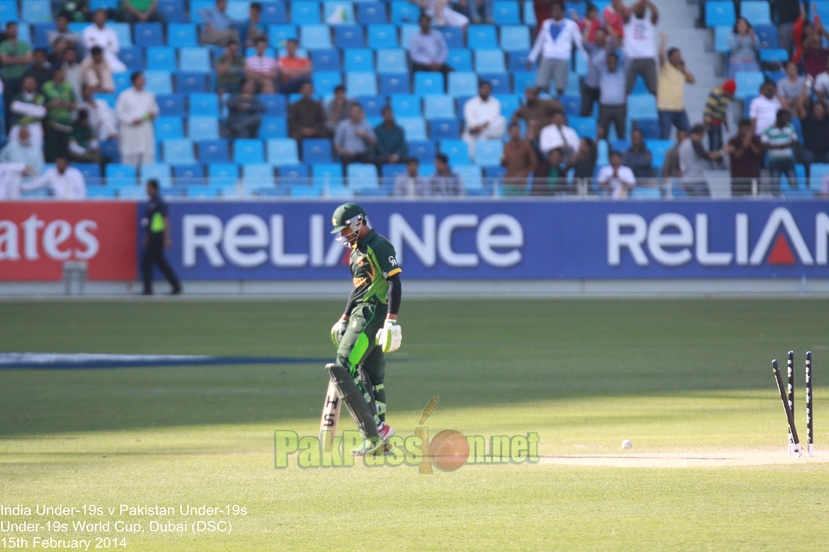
(330, 417)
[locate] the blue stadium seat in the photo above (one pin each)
(315, 37)
(326, 175)
(316, 151)
(173, 11)
(515, 39)
(90, 171)
(406, 34)
(748, 83)
(109, 148)
(214, 151)
(445, 129)
(509, 103)
(158, 171)
(8, 11)
(204, 104)
(161, 58)
(371, 13)
(103, 4)
(453, 37)
(470, 176)
(359, 59)
(277, 34)
(248, 150)
(361, 83)
(719, 13)
(41, 34)
(274, 13)
(372, 105)
(203, 128)
(120, 175)
(288, 173)
(649, 128)
(767, 35)
(500, 82)
(133, 58)
(194, 60)
(414, 127)
(305, 13)
(821, 8)
(405, 105)
(382, 36)
(721, 36)
(325, 81)
(222, 174)
(521, 80)
(572, 105)
(257, 175)
(273, 127)
(585, 127)
(171, 105)
(185, 174)
(506, 13)
(481, 37)
(460, 59)
(422, 150)
(390, 62)
(123, 31)
(182, 35)
(149, 34)
(275, 104)
(517, 61)
(489, 61)
(349, 36)
(283, 152)
(122, 82)
(168, 127)
(362, 176)
(390, 172)
(36, 11)
(488, 153)
(757, 12)
(394, 84)
(463, 84)
(428, 83)
(326, 60)
(438, 107)
(338, 12)
(774, 55)
(189, 83)
(404, 12)
(817, 173)
(642, 106)
(658, 149)
(456, 151)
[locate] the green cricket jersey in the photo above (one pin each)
(372, 262)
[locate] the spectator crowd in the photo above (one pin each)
(54, 117)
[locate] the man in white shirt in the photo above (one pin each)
(66, 182)
(554, 45)
(822, 85)
(261, 69)
(482, 117)
(763, 109)
(102, 118)
(616, 178)
(640, 47)
(137, 109)
(11, 176)
(22, 149)
(558, 135)
(98, 34)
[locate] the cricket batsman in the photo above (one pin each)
(368, 328)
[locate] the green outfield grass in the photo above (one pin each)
(680, 377)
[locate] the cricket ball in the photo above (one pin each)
(449, 450)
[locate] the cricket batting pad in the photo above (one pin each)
(354, 400)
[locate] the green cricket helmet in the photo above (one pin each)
(351, 216)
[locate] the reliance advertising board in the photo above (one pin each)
(447, 240)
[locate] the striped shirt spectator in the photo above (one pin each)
(715, 115)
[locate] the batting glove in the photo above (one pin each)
(338, 331)
(390, 336)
